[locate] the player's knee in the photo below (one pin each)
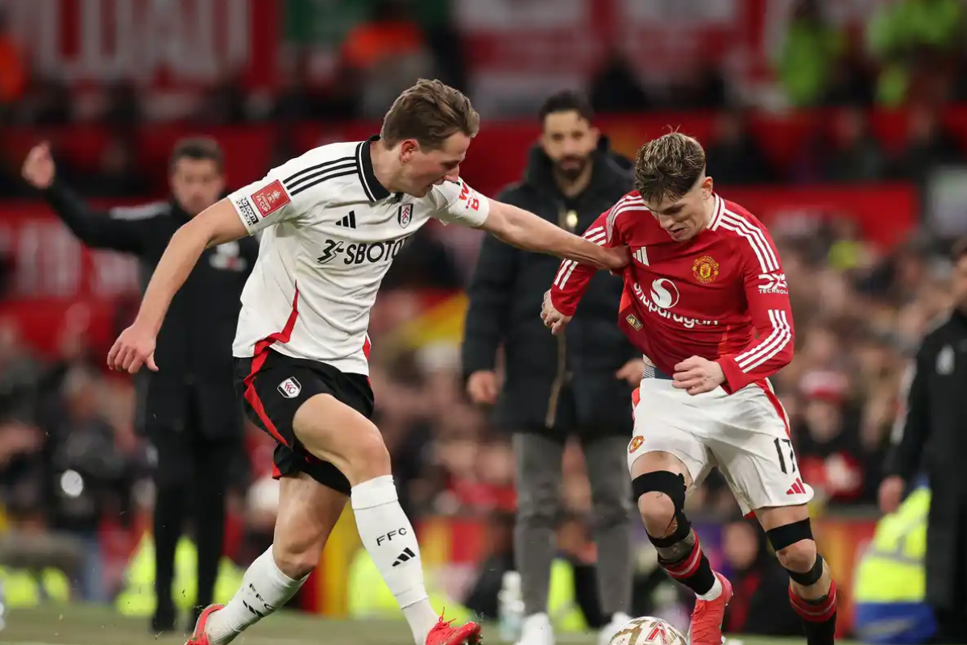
(661, 498)
(368, 457)
(657, 513)
(799, 557)
(297, 558)
(796, 551)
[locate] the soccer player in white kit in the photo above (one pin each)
(332, 221)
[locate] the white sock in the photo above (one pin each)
(387, 534)
(264, 589)
(712, 593)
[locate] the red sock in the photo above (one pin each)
(693, 571)
(818, 616)
(815, 611)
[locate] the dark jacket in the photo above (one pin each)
(565, 383)
(934, 438)
(194, 347)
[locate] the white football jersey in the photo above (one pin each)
(330, 231)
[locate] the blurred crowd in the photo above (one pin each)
(910, 49)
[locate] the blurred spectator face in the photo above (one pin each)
(822, 346)
(496, 464)
(823, 418)
(569, 139)
(730, 127)
(741, 545)
(196, 184)
(425, 167)
(850, 127)
(923, 124)
(959, 283)
(116, 159)
(80, 390)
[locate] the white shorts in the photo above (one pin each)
(744, 434)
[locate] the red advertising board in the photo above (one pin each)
(515, 50)
(167, 48)
(885, 214)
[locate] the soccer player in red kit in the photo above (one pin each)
(706, 301)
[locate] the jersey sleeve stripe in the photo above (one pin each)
(755, 238)
(291, 178)
(780, 337)
(362, 176)
(570, 270)
(350, 165)
(567, 276)
(717, 216)
(591, 231)
(562, 271)
(613, 217)
(597, 238)
(627, 200)
(333, 175)
(780, 325)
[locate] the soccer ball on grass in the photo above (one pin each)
(648, 630)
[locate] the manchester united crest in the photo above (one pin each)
(404, 215)
(636, 442)
(705, 269)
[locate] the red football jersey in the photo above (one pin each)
(721, 295)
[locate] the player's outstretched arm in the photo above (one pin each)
(526, 230)
(572, 279)
(215, 225)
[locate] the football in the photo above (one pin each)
(648, 630)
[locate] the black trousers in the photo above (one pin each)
(952, 617)
(192, 476)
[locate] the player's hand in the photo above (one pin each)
(696, 375)
(482, 387)
(631, 371)
(891, 493)
(38, 169)
(552, 317)
(133, 348)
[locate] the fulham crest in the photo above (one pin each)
(404, 215)
(290, 388)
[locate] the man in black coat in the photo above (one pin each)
(932, 435)
(188, 409)
(558, 386)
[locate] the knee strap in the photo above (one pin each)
(785, 536)
(810, 577)
(788, 534)
(673, 485)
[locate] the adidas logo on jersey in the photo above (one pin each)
(642, 255)
(798, 488)
(349, 221)
(406, 556)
